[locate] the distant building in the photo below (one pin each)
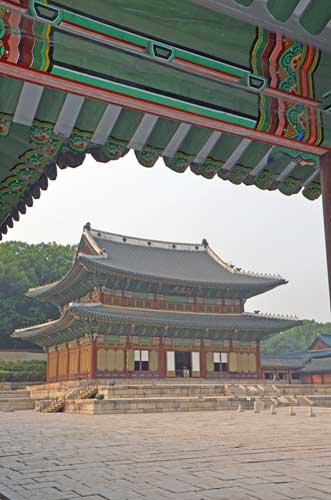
(283, 367)
(318, 370)
(140, 308)
(312, 366)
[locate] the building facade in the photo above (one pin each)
(311, 366)
(283, 367)
(132, 307)
(318, 370)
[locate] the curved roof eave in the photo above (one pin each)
(44, 328)
(101, 313)
(45, 292)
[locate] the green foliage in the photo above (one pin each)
(23, 266)
(296, 339)
(23, 371)
(22, 366)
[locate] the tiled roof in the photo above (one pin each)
(318, 365)
(187, 262)
(155, 267)
(326, 338)
(281, 362)
(247, 322)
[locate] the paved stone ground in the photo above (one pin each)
(173, 456)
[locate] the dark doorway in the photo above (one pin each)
(182, 361)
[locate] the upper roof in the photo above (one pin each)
(181, 267)
(171, 90)
(190, 262)
(248, 326)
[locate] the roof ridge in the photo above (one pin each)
(148, 242)
(272, 316)
(237, 270)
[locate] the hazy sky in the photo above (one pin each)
(257, 230)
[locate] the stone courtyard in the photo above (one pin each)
(174, 456)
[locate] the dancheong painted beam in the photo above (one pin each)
(224, 89)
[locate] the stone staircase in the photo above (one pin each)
(157, 398)
(58, 404)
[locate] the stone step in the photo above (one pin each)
(155, 405)
(14, 394)
(12, 404)
(170, 390)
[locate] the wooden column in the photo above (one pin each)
(162, 360)
(203, 361)
(68, 362)
(258, 360)
(78, 366)
(326, 199)
(93, 359)
(47, 367)
(57, 364)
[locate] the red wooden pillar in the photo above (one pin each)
(123, 300)
(57, 364)
(68, 361)
(78, 367)
(93, 362)
(162, 360)
(155, 302)
(258, 360)
(326, 199)
(203, 362)
(47, 367)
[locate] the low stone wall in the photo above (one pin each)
(161, 390)
(13, 404)
(155, 405)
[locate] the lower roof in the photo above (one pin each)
(86, 319)
(282, 363)
(317, 365)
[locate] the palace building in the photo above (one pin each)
(133, 307)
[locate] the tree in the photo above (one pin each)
(296, 339)
(23, 266)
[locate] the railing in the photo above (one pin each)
(55, 405)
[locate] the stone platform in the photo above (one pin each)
(156, 405)
(162, 396)
(156, 396)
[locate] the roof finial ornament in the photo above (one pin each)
(87, 226)
(205, 242)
